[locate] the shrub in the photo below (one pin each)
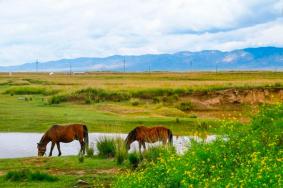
(81, 157)
(88, 100)
(134, 159)
(153, 153)
(98, 95)
(185, 106)
(57, 99)
(106, 147)
(90, 150)
(177, 120)
(135, 102)
(121, 152)
(250, 156)
(28, 175)
(30, 91)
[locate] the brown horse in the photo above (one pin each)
(145, 134)
(65, 134)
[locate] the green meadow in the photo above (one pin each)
(193, 103)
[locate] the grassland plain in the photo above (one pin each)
(187, 103)
(155, 98)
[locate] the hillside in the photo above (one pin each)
(262, 58)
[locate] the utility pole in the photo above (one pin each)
(191, 64)
(70, 69)
(36, 65)
(149, 68)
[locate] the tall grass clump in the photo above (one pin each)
(106, 147)
(185, 106)
(121, 152)
(56, 99)
(30, 91)
(100, 95)
(28, 175)
(134, 159)
(90, 151)
(247, 157)
(152, 154)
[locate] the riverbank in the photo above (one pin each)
(68, 170)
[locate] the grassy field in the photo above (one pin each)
(68, 170)
(187, 103)
(25, 100)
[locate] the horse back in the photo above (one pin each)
(152, 134)
(66, 133)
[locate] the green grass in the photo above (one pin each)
(250, 156)
(67, 170)
(27, 175)
(125, 100)
(24, 90)
(106, 147)
(121, 152)
(39, 116)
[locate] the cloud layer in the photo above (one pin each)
(55, 29)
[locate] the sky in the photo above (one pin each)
(56, 29)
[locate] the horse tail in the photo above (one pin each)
(85, 135)
(170, 136)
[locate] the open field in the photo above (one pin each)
(187, 103)
(68, 170)
(180, 101)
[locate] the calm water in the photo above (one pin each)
(14, 145)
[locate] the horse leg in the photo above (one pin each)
(51, 149)
(140, 146)
(82, 146)
(58, 147)
(143, 144)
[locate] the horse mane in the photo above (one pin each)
(132, 135)
(42, 138)
(45, 134)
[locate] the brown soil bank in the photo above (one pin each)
(237, 96)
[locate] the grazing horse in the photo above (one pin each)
(65, 134)
(145, 134)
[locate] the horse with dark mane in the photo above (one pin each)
(144, 134)
(65, 134)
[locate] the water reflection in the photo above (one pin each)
(15, 145)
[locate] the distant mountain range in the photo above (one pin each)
(262, 58)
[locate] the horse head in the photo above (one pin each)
(130, 138)
(127, 144)
(41, 149)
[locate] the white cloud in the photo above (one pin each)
(54, 29)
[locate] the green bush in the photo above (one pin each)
(134, 159)
(30, 91)
(153, 153)
(28, 175)
(81, 157)
(56, 99)
(250, 156)
(135, 102)
(99, 95)
(121, 152)
(106, 147)
(90, 151)
(185, 106)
